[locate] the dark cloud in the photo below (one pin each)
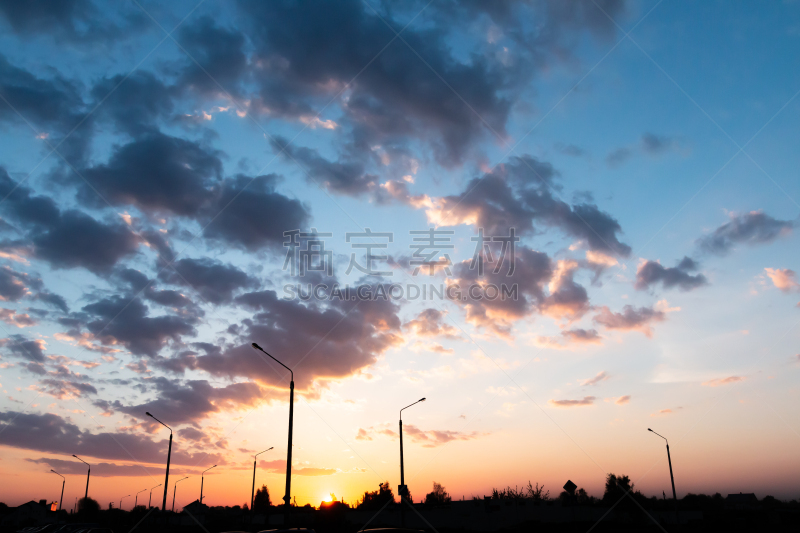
(75, 21)
(103, 469)
(249, 212)
(631, 318)
(336, 176)
(519, 195)
(66, 239)
(192, 401)
(216, 282)
(532, 271)
(13, 285)
(570, 150)
(582, 335)
(123, 319)
(318, 341)
(50, 433)
(134, 103)
(19, 346)
(218, 60)
(156, 172)
(54, 107)
(657, 144)
(754, 227)
(651, 273)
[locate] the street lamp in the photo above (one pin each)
(402, 489)
(64, 480)
(671, 477)
(150, 501)
(201, 482)
(86, 495)
(120, 501)
(174, 490)
(253, 491)
(136, 500)
(169, 455)
(287, 497)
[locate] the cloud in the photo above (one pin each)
(520, 194)
(586, 336)
(586, 401)
(751, 228)
(431, 323)
(623, 400)
(51, 433)
(723, 381)
(601, 376)
(191, 401)
(339, 338)
(19, 346)
(73, 467)
(631, 318)
(216, 282)
(658, 144)
(567, 300)
(651, 273)
(20, 320)
(123, 319)
(618, 157)
(427, 438)
(783, 279)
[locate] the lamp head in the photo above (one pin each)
(148, 414)
(648, 429)
(75, 456)
(256, 346)
(422, 400)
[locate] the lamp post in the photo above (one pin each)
(86, 494)
(136, 500)
(64, 480)
(174, 490)
(201, 482)
(671, 477)
(287, 497)
(169, 455)
(120, 501)
(150, 501)
(253, 490)
(402, 489)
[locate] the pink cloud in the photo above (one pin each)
(586, 401)
(783, 278)
(723, 381)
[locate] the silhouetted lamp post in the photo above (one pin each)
(287, 497)
(174, 490)
(169, 455)
(120, 501)
(150, 501)
(671, 477)
(201, 482)
(402, 489)
(86, 494)
(64, 480)
(136, 500)
(253, 491)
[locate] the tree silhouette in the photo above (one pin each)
(439, 496)
(377, 498)
(88, 506)
(262, 502)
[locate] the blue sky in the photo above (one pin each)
(643, 151)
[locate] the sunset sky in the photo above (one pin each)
(153, 155)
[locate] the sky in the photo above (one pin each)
(560, 223)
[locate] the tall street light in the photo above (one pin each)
(169, 455)
(120, 501)
(86, 495)
(287, 497)
(402, 489)
(64, 480)
(253, 490)
(136, 500)
(174, 490)
(201, 482)
(150, 501)
(671, 477)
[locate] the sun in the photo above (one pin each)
(328, 498)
